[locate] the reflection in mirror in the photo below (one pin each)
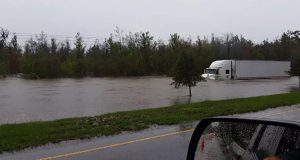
(245, 141)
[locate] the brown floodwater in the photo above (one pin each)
(34, 100)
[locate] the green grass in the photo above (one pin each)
(19, 136)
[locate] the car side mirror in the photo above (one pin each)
(244, 139)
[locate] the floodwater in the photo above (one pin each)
(34, 100)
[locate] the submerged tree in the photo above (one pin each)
(186, 72)
(295, 68)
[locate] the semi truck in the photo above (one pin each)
(246, 69)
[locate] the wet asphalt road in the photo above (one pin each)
(157, 142)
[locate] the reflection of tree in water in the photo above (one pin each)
(182, 100)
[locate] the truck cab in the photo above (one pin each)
(219, 70)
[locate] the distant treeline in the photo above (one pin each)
(135, 54)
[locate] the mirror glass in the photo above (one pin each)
(245, 141)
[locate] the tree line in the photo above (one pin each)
(132, 54)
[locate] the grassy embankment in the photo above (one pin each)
(24, 135)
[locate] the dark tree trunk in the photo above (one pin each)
(299, 81)
(190, 91)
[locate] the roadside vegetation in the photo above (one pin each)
(131, 54)
(19, 136)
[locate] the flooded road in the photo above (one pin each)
(32, 100)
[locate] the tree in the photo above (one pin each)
(14, 54)
(186, 72)
(80, 63)
(3, 52)
(146, 46)
(53, 46)
(295, 68)
(3, 36)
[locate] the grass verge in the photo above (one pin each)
(24, 135)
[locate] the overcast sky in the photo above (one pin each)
(255, 19)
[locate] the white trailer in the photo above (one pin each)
(246, 69)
